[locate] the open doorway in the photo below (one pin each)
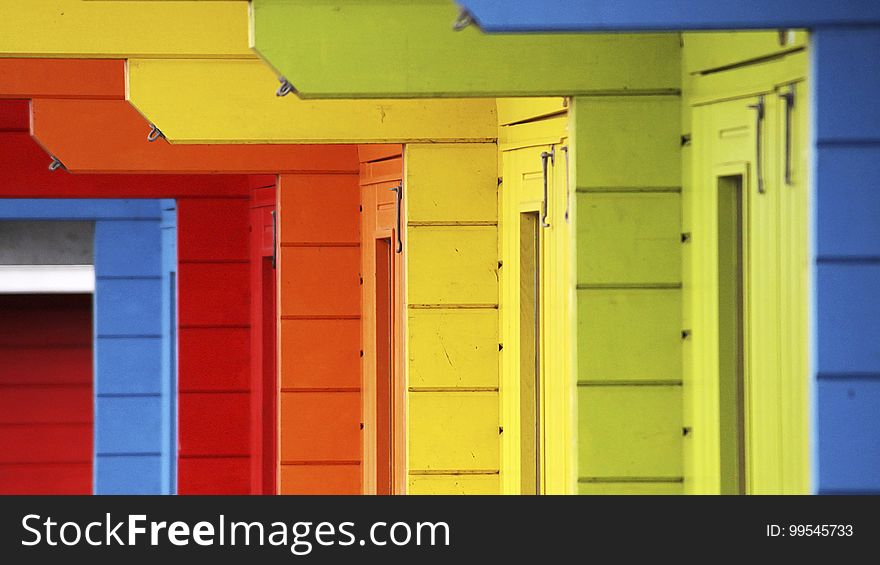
(46, 349)
(731, 349)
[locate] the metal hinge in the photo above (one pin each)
(274, 241)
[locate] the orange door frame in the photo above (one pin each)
(383, 315)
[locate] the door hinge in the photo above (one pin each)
(399, 190)
(274, 241)
(789, 106)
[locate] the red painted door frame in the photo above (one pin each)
(264, 370)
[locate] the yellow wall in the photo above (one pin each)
(452, 324)
(522, 191)
(723, 130)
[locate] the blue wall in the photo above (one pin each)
(846, 161)
(132, 449)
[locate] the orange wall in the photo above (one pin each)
(319, 334)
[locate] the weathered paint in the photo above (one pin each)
(381, 170)
(98, 136)
(522, 192)
(452, 303)
(615, 15)
(128, 455)
(74, 28)
(775, 275)
(626, 170)
(407, 49)
(172, 95)
(319, 334)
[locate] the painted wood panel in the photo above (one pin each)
(774, 286)
(629, 307)
(205, 370)
(320, 479)
(313, 360)
(453, 348)
(469, 421)
(438, 191)
(62, 78)
(326, 425)
(616, 150)
(453, 420)
(453, 264)
(117, 143)
(319, 265)
(249, 113)
(212, 424)
(383, 322)
(229, 475)
(537, 287)
(454, 484)
(642, 231)
(632, 488)
(72, 28)
(629, 334)
(598, 15)
(629, 431)
(422, 57)
(24, 173)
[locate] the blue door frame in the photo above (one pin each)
(134, 386)
(845, 168)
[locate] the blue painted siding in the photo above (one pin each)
(617, 15)
(136, 361)
(127, 474)
(131, 397)
(122, 316)
(169, 343)
(846, 272)
(849, 454)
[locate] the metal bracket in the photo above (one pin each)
(56, 164)
(155, 133)
(285, 88)
(399, 190)
(567, 183)
(789, 106)
(545, 156)
(759, 127)
(463, 20)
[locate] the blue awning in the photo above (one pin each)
(634, 15)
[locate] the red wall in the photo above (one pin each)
(214, 345)
(46, 394)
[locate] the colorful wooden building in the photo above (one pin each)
(596, 262)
